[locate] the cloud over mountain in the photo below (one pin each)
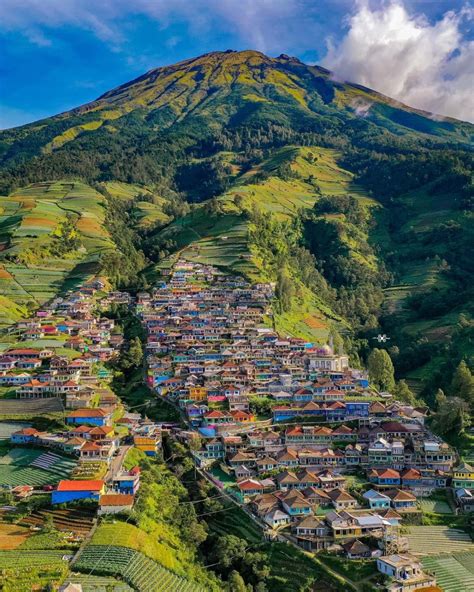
(426, 65)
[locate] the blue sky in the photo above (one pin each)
(58, 54)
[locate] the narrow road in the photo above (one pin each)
(116, 463)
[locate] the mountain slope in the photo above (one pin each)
(193, 102)
(356, 206)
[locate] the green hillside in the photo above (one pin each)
(52, 235)
(356, 206)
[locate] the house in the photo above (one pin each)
(96, 416)
(250, 487)
(113, 503)
(377, 500)
(463, 477)
(276, 518)
(342, 500)
(266, 464)
(465, 499)
(127, 482)
(406, 571)
(149, 444)
(24, 436)
(295, 504)
(312, 533)
(384, 477)
(402, 501)
(68, 491)
(91, 451)
(355, 549)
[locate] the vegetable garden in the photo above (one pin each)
(142, 573)
(453, 572)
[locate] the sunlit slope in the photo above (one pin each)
(219, 234)
(197, 98)
(36, 259)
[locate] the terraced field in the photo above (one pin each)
(98, 583)
(30, 273)
(454, 573)
(76, 520)
(236, 522)
(28, 408)
(24, 571)
(431, 540)
(142, 573)
(33, 467)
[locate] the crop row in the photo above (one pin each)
(144, 574)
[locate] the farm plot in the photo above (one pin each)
(79, 521)
(435, 506)
(7, 428)
(12, 536)
(33, 467)
(454, 573)
(142, 573)
(24, 571)
(431, 540)
(98, 583)
(28, 408)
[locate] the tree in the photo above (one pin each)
(239, 202)
(403, 393)
(236, 582)
(48, 524)
(133, 357)
(229, 550)
(381, 371)
(452, 416)
(462, 384)
(440, 398)
(284, 290)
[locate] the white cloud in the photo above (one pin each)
(426, 65)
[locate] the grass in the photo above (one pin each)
(133, 458)
(354, 569)
(24, 571)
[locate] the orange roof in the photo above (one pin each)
(27, 432)
(66, 485)
(116, 499)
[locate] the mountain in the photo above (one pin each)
(358, 207)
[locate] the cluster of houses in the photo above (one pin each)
(290, 423)
(95, 419)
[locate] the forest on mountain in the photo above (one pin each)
(364, 222)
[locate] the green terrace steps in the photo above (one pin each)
(453, 572)
(430, 540)
(23, 571)
(98, 583)
(140, 572)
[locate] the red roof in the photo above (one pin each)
(81, 485)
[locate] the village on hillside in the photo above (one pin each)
(285, 429)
